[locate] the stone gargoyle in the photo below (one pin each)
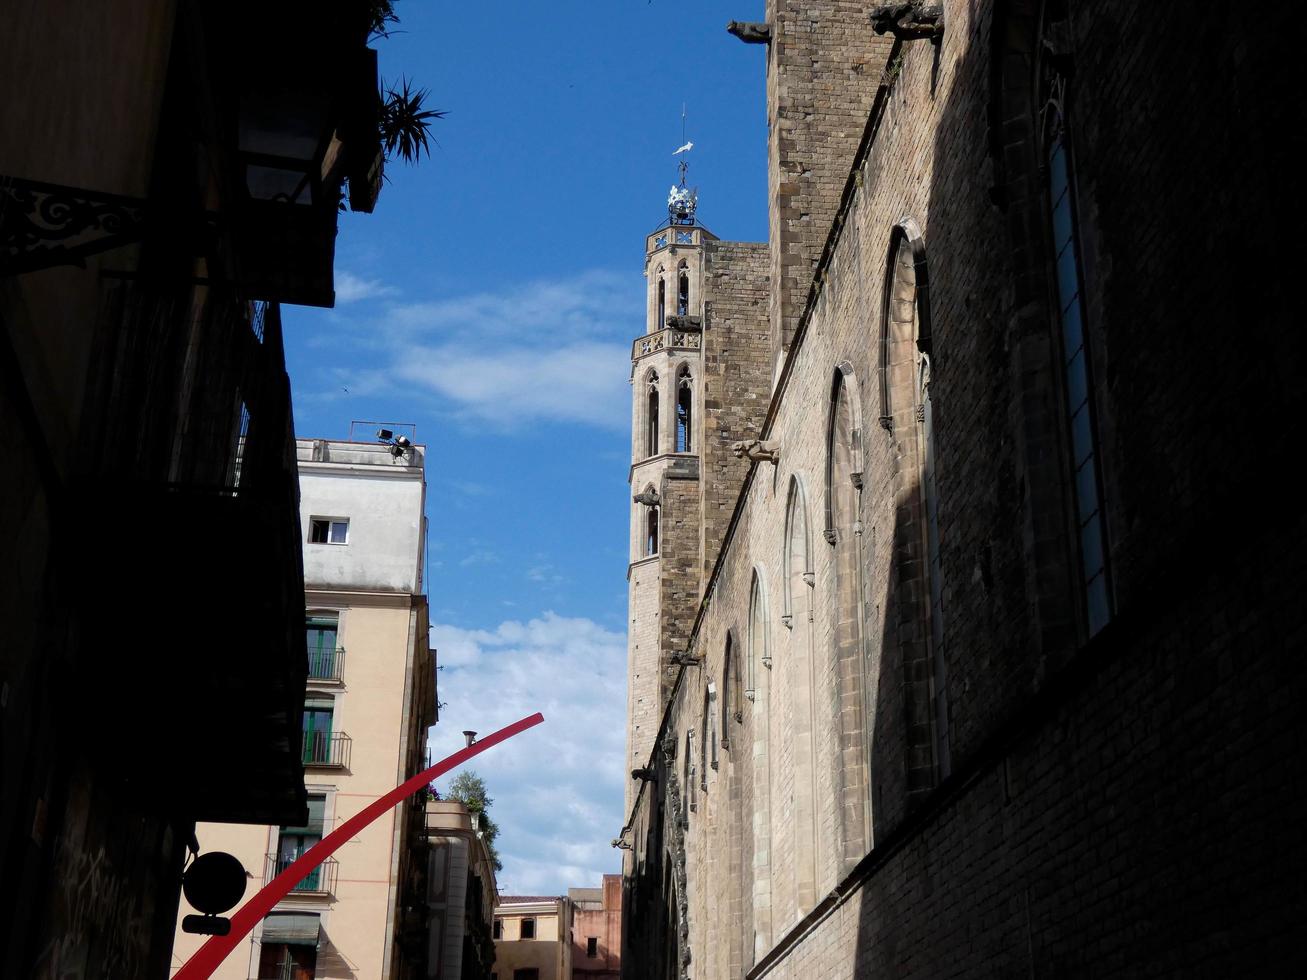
(758, 450)
(909, 21)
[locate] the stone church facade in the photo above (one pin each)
(965, 584)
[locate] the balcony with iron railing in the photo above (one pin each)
(327, 665)
(320, 881)
(327, 750)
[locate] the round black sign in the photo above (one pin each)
(214, 882)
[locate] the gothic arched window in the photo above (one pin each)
(662, 300)
(682, 289)
(684, 409)
(844, 533)
(651, 415)
(1077, 369)
(907, 348)
(651, 531)
(759, 649)
(732, 710)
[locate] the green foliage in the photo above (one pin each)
(381, 14)
(405, 122)
(470, 790)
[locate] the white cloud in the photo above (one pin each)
(351, 288)
(549, 350)
(557, 787)
(480, 556)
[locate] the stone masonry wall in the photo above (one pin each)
(736, 378)
(823, 64)
(1126, 804)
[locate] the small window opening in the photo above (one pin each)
(662, 302)
(592, 946)
(528, 928)
(684, 410)
(651, 533)
(325, 530)
(498, 931)
(683, 291)
(651, 449)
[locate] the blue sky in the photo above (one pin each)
(491, 300)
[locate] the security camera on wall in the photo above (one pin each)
(385, 435)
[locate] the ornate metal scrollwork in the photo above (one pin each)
(44, 225)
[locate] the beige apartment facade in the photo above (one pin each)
(369, 700)
(533, 938)
(461, 894)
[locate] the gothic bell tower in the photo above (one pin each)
(666, 435)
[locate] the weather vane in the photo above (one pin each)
(682, 200)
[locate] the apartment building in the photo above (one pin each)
(533, 938)
(146, 247)
(369, 699)
(461, 894)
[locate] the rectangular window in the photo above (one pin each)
(528, 928)
(592, 946)
(321, 633)
(292, 842)
(317, 732)
(289, 949)
(328, 530)
(530, 973)
(498, 930)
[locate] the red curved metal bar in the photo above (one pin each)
(207, 958)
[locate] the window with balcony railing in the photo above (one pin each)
(320, 881)
(326, 657)
(322, 745)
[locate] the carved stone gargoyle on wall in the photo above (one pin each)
(649, 498)
(750, 32)
(909, 21)
(758, 450)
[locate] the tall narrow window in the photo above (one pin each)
(844, 533)
(918, 588)
(1077, 370)
(651, 531)
(732, 710)
(684, 409)
(682, 289)
(797, 588)
(293, 842)
(705, 749)
(662, 301)
(651, 415)
(321, 630)
(687, 773)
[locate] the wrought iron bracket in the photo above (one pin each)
(44, 225)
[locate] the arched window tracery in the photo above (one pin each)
(684, 410)
(919, 590)
(651, 531)
(1057, 162)
(651, 414)
(662, 299)
(682, 289)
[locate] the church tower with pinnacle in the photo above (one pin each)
(698, 377)
(666, 394)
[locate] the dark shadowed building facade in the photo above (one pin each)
(965, 617)
(170, 172)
